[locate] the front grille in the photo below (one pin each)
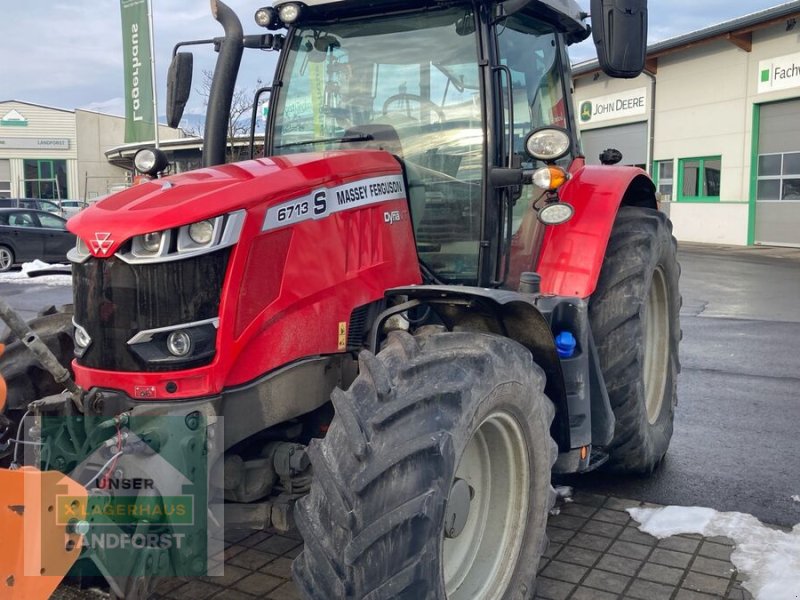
(115, 300)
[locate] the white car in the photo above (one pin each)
(70, 208)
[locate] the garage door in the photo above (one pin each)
(778, 173)
(630, 139)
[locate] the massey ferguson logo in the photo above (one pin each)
(101, 243)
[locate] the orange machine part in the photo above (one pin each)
(38, 549)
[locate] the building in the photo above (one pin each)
(48, 152)
(715, 118)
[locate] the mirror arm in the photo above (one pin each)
(503, 177)
(179, 45)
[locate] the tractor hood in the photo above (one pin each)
(206, 193)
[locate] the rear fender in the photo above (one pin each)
(505, 313)
(38, 548)
(572, 253)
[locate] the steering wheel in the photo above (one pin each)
(413, 98)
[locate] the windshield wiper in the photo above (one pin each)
(340, 140)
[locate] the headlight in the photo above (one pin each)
(82, 339)
(201, 233)
(556, 213)
(267, 17)
(150, 245)
(150, 161)
(548, 143)
(179, 343)
(152, 241)
(289, 13)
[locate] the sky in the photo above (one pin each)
(68, 53)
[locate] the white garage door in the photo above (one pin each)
(778, 172)
(630, 139)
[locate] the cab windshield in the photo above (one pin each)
(408, 84)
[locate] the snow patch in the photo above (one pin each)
(768, 558)
(21, 276)
(564, 492)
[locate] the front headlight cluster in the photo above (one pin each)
(195, 238)
(177, 243)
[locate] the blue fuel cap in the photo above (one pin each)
(565, 344)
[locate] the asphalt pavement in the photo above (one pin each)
(736, 426)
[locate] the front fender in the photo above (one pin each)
(572, 253)
(506, 313)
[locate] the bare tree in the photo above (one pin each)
(239, 118)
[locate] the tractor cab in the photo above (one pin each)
(453, 90)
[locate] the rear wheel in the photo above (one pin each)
(434, 478)
(6, 258)
(634, 315)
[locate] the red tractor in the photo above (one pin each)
(388, 331)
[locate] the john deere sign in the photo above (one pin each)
(613, 106)
(780, 73)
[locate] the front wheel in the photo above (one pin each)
(434, 478)
(634, 314)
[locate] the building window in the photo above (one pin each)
(778, 176)
(5, 178)
(663, 174)
(699, 178)
(46, 179)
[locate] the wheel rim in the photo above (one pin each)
(479, 563)
(656, 345)
(5, 259)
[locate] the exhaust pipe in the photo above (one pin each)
(215, 139)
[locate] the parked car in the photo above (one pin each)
(70, 208)
(34, 203)
(26, 235)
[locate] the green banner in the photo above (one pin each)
(139, 121)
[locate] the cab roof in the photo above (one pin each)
(566, 13)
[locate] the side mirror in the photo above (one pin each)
(179, 86)
(619, 28)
